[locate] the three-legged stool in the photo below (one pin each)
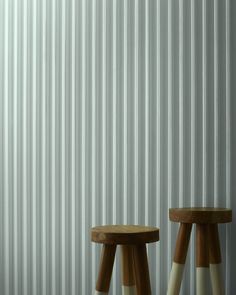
(135, 271)
(207, 247)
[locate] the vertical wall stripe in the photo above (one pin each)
(204, 103)
(104, 112)
(34, 154)
(53, 153)
(228, 142)
(216, 104)
(15, 167)
(114, 117)
(147, 103)
(114, 127)
(73, 180)
(125, 95)
(63, 143)
(87, 101)
(94, 113)
(83, 100)
(193, 128)
(136, 110)
(93, 171)
(25, 152)
(169, 111)
(43, 119)
(158, 136)
(2, 97)
(193, 102)
(228, 96)
(181, 102)
(5, 155)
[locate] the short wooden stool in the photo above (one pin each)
(207, 247)
(135, 271)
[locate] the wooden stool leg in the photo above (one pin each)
(215, 260)
(127, 266)
(141, 270)
(202, 259)
(181, 250)
(105, 270)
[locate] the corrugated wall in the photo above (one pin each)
(110, 112)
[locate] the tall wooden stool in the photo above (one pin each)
(207, 247)
(135, 271)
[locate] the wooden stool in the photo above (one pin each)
(135, 272)
(207, 247)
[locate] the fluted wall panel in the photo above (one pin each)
(110, 113)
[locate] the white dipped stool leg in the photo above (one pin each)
(202, 260)
(181, 250)
(216, 279)
(215, 260)
(127, 267)
(202, 281)
(175, 279)
(128, 290)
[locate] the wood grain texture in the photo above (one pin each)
(141, 268)
(182, 243)
(127, 265)
(200, 215)
(202, 250)
(124, 234)
(105, 269)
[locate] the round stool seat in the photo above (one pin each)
(124, 234)
(200, 215)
